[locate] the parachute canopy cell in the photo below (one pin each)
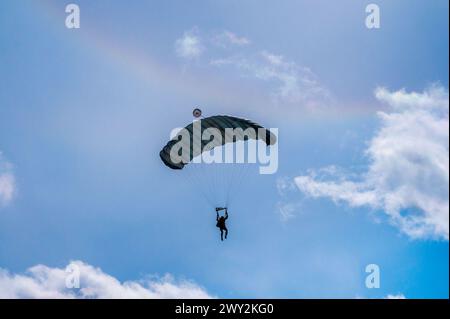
(221, 123)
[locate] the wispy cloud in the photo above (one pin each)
(45, 282)
(287, 207)
(226, 39)
(189, 46)
(408, 175)
(291, 84)
(7, 182)
(287, 82)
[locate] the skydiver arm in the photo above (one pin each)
(226, 213)
(217, 215)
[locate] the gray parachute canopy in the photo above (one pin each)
(221, 123)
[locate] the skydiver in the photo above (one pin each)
(221, 222)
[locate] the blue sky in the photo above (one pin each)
(84, 113)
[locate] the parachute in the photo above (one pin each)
(217, 182)
(221, 123)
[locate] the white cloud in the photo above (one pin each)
(285, 81)
(226, 38)
(274, 59)
(435, 98)
(7, 182)
(293, 84)
(287, 207)
(296, 83)
(45, 282)
(408, 174)
(189, 46)
(398, 296)
(285, 186)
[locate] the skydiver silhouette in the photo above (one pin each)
(221, 222)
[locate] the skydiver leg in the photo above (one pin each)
(221, 234)
(226, 232)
